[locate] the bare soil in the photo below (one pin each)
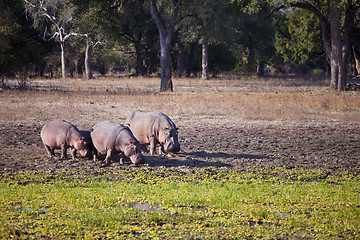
(226, 140)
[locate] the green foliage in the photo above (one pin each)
(303, 42)
(247, 31)
(19, 44)
(254, 39)
(162, 203)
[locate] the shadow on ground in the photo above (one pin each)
(222, 155)
(197, 159)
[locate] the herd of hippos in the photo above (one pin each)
(141, 128)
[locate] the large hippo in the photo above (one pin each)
(113, 138)
(152, 128)
(63, 135)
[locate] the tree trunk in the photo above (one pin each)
(346, 46)
(88, 59)
(356, 51)
(335, 57)
(165, 61)
(180, 60)
(260, 68)
(337, 51)
(205, 62)
(165, 28)
(63, 61)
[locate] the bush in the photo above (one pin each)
(318, 71)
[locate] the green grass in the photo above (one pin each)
(202, 204)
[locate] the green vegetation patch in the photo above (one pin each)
(149, 203)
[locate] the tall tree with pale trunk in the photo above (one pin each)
(55, 17)
(166, 15)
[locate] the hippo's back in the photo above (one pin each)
(141, 116)
(54, 133)
(104, 135)
(141, 124)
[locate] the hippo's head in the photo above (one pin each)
(133, 151)
(82, 146)
(168, 137)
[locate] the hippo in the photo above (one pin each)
(113, 138)
(63, 135)
(152, 128)
(86, 134)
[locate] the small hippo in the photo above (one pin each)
(63, 135)
(86, 134)
(113, 138)
(152, 128)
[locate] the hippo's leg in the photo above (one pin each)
(152, 146)
(107, 160)
(49, 151)
(94, 152)
(63, 152)
(122, 156)
(73, 154)
(161, 150)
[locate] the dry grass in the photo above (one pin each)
(113, 98)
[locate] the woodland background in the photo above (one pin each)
(72, 38)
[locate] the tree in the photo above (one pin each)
(336, 18)
(86, 27)
(302, 40)
(299, 42)
(209, 22)
(356, 47)
(20, 46)
(128, 27)
(166, 16)
(57, 13)
(254, 38)
(134, 24)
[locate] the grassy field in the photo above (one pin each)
(164, 204)
(261, 159)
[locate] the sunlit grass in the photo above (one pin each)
(207, 203)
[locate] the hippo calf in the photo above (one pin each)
(63, 135)
(86, 134)
(152, 128)
(113, 138)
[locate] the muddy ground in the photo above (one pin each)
(206, 141)
(330, 146)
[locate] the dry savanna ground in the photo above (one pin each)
(226, 122)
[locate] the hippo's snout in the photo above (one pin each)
(172, 147)
(137, 159)
(175, 149)
(85, 153)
